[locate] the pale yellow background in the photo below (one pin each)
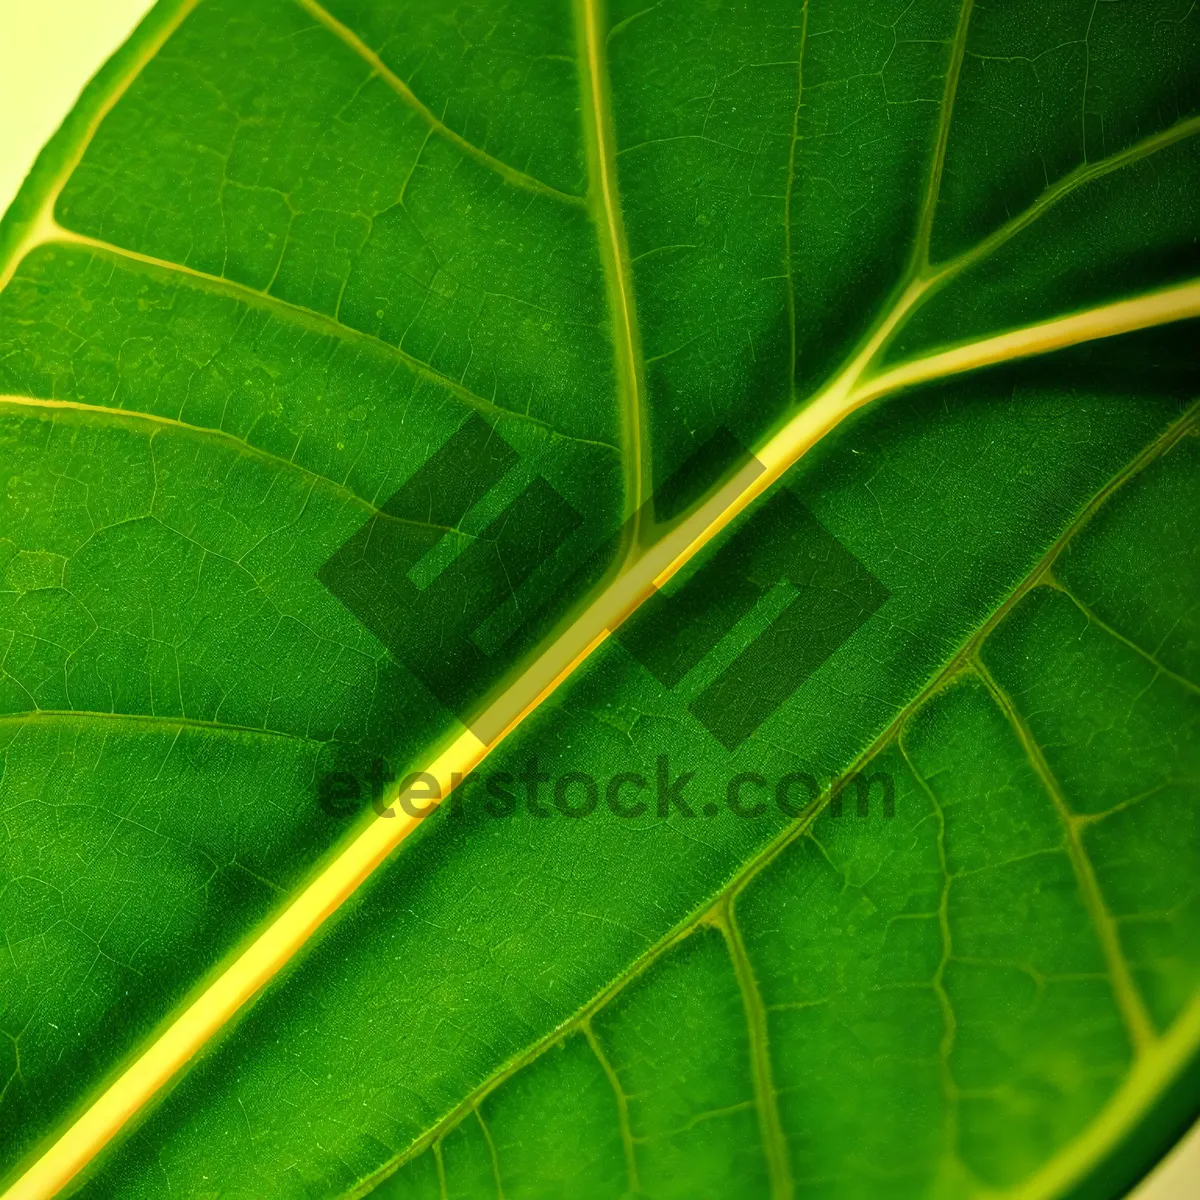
(48, 50)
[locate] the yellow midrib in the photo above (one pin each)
(288, 932)
(276, 945)
(1107, 320)
(714, 915)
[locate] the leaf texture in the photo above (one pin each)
(936, 265)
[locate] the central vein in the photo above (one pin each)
(614, 252)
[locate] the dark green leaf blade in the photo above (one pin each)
(307, 247)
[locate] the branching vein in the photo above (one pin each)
(318, 321)
(514, 176)
(622, 1102)
(1068, 184)
(1147, 655)
(711, 913)
(1129, 1001)
(371, 844)
(278, 942)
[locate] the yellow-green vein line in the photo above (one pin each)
(622, 1101)
(443, 1191)
(787, 202)
(1178, 303)
(1065, 186)
(237, 445)
(319, 322)
(709, 914)
(775, 1149)
(148, 39)
(253, 969)
(1129, 1001)
(600, 140)
(1142, 653)
(1123, 1112)
(492, 1155)
(510, 173)
(50, 715)
(933, 188)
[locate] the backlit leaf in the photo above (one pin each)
(353, 357)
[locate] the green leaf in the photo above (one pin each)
(933, 265)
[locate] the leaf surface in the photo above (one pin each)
(281, 257)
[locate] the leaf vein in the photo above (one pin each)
(1084, 174)
(510, 173)
(51, 715)
(949, 95)
(1129, 1001)
(321, 323)
(1151, 658)
(600, 142)
(492, 1155)
(622, 1102)
(241, 445)
(705, 914)
(775, 1148)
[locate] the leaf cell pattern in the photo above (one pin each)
(281, 252)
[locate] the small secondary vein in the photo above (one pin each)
(321, 322)
(51, 715)
(949, 95)
(601, 144)
(347, 35)
(240, 445)
(1059, 191)
(276, 945)
(1146, 655)
(1129, 1001)
(775, 1147)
